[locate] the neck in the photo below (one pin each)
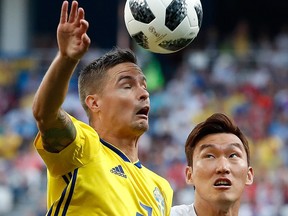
(210, 209)
(128, 146)
(122, 138)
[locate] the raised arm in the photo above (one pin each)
(56, 128)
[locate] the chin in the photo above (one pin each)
(142, 127)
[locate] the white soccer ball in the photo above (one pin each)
(163, 26)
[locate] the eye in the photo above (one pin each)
(209, 156)
(234, 155)
(127, 86)
(144, 85)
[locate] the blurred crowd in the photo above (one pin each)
(244, 78)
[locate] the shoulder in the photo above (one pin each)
(162, 183)
(84, 130)
(81, 124)
(183, 210)
(156, 177)
(80, 152)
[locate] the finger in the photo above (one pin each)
(83, 29)
(84, 25)
(64, 12)
(81, 14)
(73, 12)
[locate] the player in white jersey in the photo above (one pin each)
(218, 168)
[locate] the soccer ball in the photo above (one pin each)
(163, 26)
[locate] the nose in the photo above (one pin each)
(144, 94)
(222, 166)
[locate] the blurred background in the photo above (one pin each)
(238, 64)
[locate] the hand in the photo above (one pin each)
(73, 41)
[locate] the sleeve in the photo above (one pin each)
(77, 154)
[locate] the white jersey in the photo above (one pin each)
(183, 210)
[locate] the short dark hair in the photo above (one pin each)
(92, 78)
(216, 123)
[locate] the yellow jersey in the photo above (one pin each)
(92, 177)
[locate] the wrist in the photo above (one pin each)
(67, 59)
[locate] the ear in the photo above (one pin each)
(250, 176)
(92, 101)
(188, 174)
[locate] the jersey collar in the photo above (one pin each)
(120, 153)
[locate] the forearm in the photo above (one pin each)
(56, 128)
(53, 88)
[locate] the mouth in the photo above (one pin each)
(143, 111)
(222, 183)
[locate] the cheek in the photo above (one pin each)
(121, 101)
(201, 169)
(115, 100)
(241, 170)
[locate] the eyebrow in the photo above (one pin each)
(129, 77)
(205, 146)
(125, 77)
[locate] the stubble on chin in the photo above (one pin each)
(141, 127)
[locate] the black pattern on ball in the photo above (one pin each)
(141, 39)
(175, 45)
(199, 12)
(175, 13)
(141, 11)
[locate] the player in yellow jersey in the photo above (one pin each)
(94, 169)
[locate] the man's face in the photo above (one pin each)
(124, 104)
(220, 170)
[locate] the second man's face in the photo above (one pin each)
(220, 169)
